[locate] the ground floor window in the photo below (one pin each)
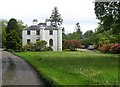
(28, 41)
(37, 40)
(51, 42)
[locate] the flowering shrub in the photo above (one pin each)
(115, 48)
(71, 44)
(104, 48)
(112, 48)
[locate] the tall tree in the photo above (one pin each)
(78, 30)
(13, 40)
(55, 18)
(3, 25)
(109, 15)
(88, 33)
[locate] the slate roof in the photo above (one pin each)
(32, 27)
(44, 24)
(37, 27)
(50, 27)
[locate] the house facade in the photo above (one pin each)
(43, 31)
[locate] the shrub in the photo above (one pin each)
(114, 48)
(47, 49)
(26, 47)
(104, 48)
(40, 45)
(71, 44)
(66, 50)
(11, 50)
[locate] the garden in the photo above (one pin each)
(75, 68)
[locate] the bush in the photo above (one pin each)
(40, 45)
(114, 48)
(71, 44)
(47, 49)
(26, 47)
(66, 50)
(11, 50)
(104, 48)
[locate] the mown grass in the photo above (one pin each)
(75, 68)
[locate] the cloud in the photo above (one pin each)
(71, 11)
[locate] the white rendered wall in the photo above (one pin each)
(47, 37)
(59, 47)
(44, 35)
(32, 36)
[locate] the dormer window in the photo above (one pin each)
(37, 32)
(51, 32)
(28, 32)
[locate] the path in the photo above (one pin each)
(16, 71)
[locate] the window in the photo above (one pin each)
(37, 40)
(37, 32)
(51, 42)
(28, 41)
(28, 32)
(51, 32)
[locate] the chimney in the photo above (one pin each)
(34, 21)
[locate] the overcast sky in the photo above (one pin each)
(72, 11)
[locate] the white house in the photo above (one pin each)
(43, 31)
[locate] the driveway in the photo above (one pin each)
(16, 71)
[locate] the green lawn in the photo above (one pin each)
(75, 68)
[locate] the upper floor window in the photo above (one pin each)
(37, 32)
(28, 32)
(51, 32)
(28, 41)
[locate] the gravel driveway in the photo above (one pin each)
(16, 71)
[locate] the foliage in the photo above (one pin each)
(71, 44)
(14, 35)
(74, 35)
(115, 48)
(89, 38)
(3, 38)
(88, 33)
(111, 48)
(104, 48)
(109, 15)
(55, 18)
(38, 46)
(13, 41)
(26, 47)
(47, 49)
(3, 25)
(10, 50)
(75, 68)
(66, 50)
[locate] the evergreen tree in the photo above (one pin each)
(55, 18)
(78, 30)
(13, 36)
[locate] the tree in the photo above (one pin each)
(109, 15)
(3, 25)
(55, 18)
(88, 33)
(13, 40)
(78, 30)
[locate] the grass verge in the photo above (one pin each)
(75, 68)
